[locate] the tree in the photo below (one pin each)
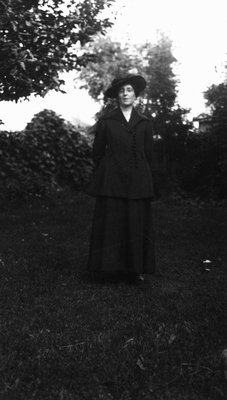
(111, 60)
(161, 91)
(41, 38)
(204, 170)
(216, 98)
(169, 119)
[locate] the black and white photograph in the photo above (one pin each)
(113, 199)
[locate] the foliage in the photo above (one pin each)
(111, 60)
(216, 98)
(203, 169)
(40, 38)
(208, 151)
(49, 154)
(161, 82)
(169, 119)
(201, 172)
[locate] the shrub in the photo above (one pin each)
(204, 169)
(49, 154)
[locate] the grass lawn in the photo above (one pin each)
(66, 338)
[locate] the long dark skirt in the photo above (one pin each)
(122, 238)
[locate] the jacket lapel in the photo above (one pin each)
(135, 118)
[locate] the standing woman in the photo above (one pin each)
(122, 236)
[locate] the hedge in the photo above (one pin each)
(48, 155)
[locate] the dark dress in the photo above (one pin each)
(122, 235)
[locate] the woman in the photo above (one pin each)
(122, 237)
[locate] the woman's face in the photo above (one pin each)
(126, 96)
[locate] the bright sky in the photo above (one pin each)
(198, 29)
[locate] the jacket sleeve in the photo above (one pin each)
(149, 147)
(99, 144)
(151, 157)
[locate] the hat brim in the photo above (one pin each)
(137, 81)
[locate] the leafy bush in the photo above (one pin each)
(204, 170)
(48, 155)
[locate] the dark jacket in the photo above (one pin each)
(123, 155)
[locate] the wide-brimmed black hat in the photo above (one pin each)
(137, 82)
